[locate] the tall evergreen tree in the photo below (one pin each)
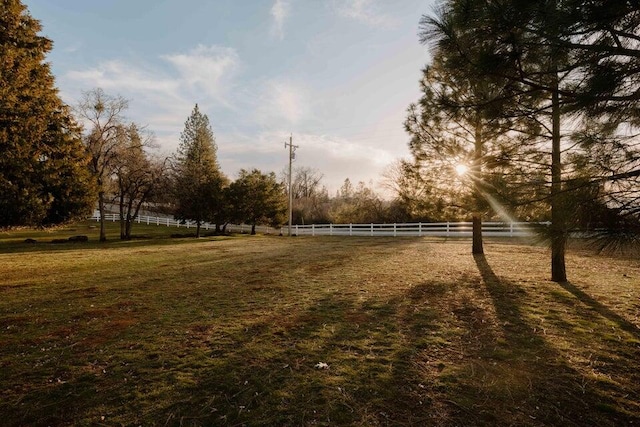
(43, 170)
(457, 137)
(199, 183)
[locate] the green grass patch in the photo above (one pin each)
(236, 331)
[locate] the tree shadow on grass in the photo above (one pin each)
(601, 309)
(288, 385)
(46, 246)
(426, 357)
(269, 373)
(550, 390)
(440, 353)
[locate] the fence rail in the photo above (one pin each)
(440, 229)
(170, 222)
(436, 229)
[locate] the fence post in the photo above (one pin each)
(350, 229)
(297, 232)
(313, 229)
(148, 218)
(419, 229)
(448, 231)
(395, 231)
(330, 229)
(372, 229)
(511, 229)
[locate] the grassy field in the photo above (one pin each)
(237, 331)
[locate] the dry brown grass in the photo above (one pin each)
(229, 331)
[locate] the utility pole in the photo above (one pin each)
(292, 156)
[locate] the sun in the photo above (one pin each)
(461, 169)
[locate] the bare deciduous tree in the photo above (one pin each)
(102, 114)
(137, 176)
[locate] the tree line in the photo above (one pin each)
(59, 162)
(51, 172)
(189, 184)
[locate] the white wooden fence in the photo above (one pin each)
(436, 229)
(441, 229)
(170, 222)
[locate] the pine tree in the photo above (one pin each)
(199, 182)
(458, 140)
(44, 178)
(519, 41)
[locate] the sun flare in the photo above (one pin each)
(461, 169)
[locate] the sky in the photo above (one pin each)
(335, 75)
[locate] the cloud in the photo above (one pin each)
(204, 70)
(162, 94)
(340, 158)
(73, 47)
(336, 158)
(347, 150)
(206, 67)
(119, 75)
(282, 103)
(365, 11)
(279, 13)
(162, 97)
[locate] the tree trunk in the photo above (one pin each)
(197, 229)
(253, 229)
(129, 225)
(103, 233)
(132, 218)
(476, 176)
(123, 219)
(477, 235)
(558, 216)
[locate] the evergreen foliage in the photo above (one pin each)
(455, 125)
(257, 198)
(569, 61)
(44, 178)
(199, 183)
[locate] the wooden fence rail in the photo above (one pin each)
(442, 229)
(170, 222)
(439, 229)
